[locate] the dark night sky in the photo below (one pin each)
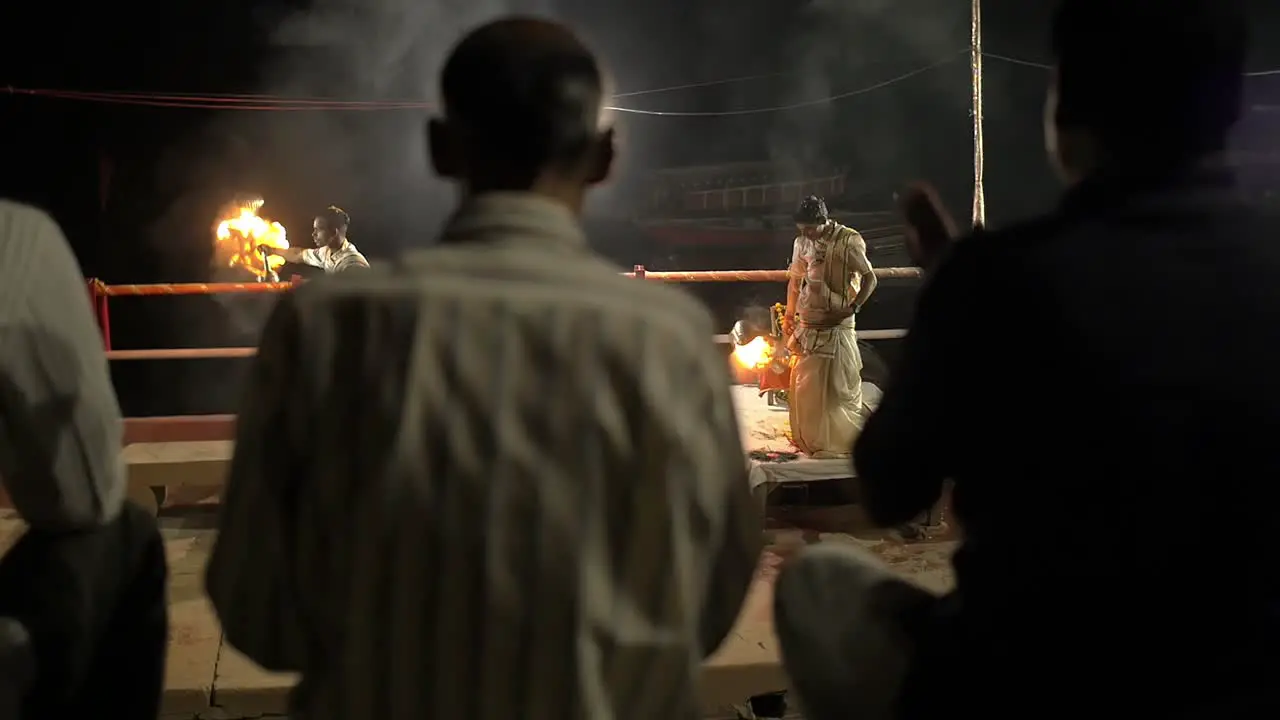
(172, 168)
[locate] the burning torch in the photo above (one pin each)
(268, 274)
(761, 346)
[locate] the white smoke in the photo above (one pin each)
(840, 46)
(374, 165)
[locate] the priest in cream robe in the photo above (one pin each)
(830, 280)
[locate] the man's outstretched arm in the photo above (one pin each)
(60, 427)
(290, 254)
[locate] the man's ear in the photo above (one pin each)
(602, 157)
(446, 158)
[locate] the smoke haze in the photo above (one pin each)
(374, 164)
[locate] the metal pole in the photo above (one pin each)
(975, 66)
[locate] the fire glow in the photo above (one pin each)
(241, 232)
(755, 355)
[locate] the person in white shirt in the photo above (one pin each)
(83, 617)
(333, 251)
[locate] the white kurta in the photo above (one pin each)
(60, 425)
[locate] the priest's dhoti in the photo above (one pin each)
(825, 397)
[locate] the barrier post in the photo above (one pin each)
(104, 319)
(99, 300)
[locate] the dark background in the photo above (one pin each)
(136, 188)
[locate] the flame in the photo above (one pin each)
(241, 232)
(755, 355)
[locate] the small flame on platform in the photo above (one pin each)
(240, 233)
(755, 355)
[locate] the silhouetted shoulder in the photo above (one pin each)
(9, 208)
(28, 226)
(666, 305)
(579, 283)
(1003, 256)
(34, 254)
(1012, 237)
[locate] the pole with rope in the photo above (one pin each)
(937, 514)
(975, 67)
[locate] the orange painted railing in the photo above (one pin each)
(701, 276)
(101, 294)
(222, 427)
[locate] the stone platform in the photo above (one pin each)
(209, 680)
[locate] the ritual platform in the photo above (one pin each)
(173, 453)
(209, 679)
(766, 432)
(181, 463)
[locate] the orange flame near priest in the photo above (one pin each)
(241, 231)
(755, 355)
(760, 356)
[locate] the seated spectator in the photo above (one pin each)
(82, 592)
(499, 480)
(1116, 480)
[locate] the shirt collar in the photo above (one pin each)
(344, 247)
(516, 214)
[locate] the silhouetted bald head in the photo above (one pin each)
(1149, 78)
(522, 100)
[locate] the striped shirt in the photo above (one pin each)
(60, 426)
(332, 261)
(498, 481)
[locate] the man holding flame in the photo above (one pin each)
(333, 252)
(830, 280)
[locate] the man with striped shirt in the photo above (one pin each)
(498, 480)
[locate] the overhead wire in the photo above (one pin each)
(217, 102)
(802, 104)
(268, 103)
(703, 84)
(1045, 66)
(258, 102)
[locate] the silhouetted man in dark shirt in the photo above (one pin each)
(1116, 478)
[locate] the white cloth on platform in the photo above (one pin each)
(765, 429)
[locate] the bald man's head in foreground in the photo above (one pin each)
(523, 112)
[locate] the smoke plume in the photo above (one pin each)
(887, 134)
